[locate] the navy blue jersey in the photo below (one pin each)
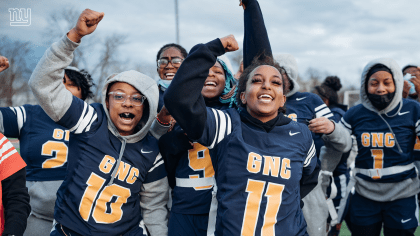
(196, 163)
(377, 146)
(44, 145)
(303, 107)
(86, 202)
(258, 174)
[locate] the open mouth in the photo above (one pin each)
(265, 98)
(170, 76)
(127, 116)
(210, 83)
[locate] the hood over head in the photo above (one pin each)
(228, 95)
(398, 81)
(146, 86)
(288, 62)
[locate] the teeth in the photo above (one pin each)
(127, 115)
(265, 96)
(211, 83)
(170, 74)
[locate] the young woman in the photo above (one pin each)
(385, 126)
(168, 60)
(305, 108)
(190, 170)
(114, 159)
(260, 155)
(44, 145)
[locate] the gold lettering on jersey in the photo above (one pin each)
(285, 173)
(106, 164)
(377, 139)
(132, 177)
(59, 134)
(271, 165)
(254, 162)
(123, 171)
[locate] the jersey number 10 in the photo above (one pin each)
(255, 189)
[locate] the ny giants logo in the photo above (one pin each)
(20, 16)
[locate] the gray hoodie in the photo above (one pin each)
(385, 191)
(55, 99)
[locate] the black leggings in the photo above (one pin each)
(375, 230)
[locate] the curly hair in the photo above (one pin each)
(81, 79)
(184, 52)
(329, 88)
(246, 75)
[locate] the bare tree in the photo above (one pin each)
(109, 60)
(14, 80)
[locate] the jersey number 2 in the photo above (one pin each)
(60, 148)
(255, 189)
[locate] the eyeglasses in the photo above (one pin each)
(136, 99)
(176, 62)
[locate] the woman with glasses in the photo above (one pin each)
(116, 182)
(168, 59)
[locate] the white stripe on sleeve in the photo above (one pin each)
(311, 154)
(86, 120)
(320, 107)
(217, 128)
(20, 116)
(80, 119)
(222, 129)
(347, 125)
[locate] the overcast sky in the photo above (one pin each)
(340, 37)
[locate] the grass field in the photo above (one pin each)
(345, 231)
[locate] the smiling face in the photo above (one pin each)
(125, 116)
(215, 82)
(264, 93)
(381, 83)
(168, 72)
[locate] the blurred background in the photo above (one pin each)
(327, 37)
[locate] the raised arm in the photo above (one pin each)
(183, 98)
(46, 80)
(256, 42)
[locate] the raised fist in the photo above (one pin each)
(4, 63)
(229, 43)
(86, 24)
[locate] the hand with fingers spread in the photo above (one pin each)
(86, 24)
(4, 63)
(321, 125)
(229, 43)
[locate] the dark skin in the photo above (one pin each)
(168, 72)
(4, 63)
(215, 82)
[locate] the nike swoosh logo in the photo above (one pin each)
(144, 152)
(298, 99)
(405, 221)
(400, 114)
(291, 134)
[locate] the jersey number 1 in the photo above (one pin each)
(255, 189)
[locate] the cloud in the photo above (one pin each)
(335, 36)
